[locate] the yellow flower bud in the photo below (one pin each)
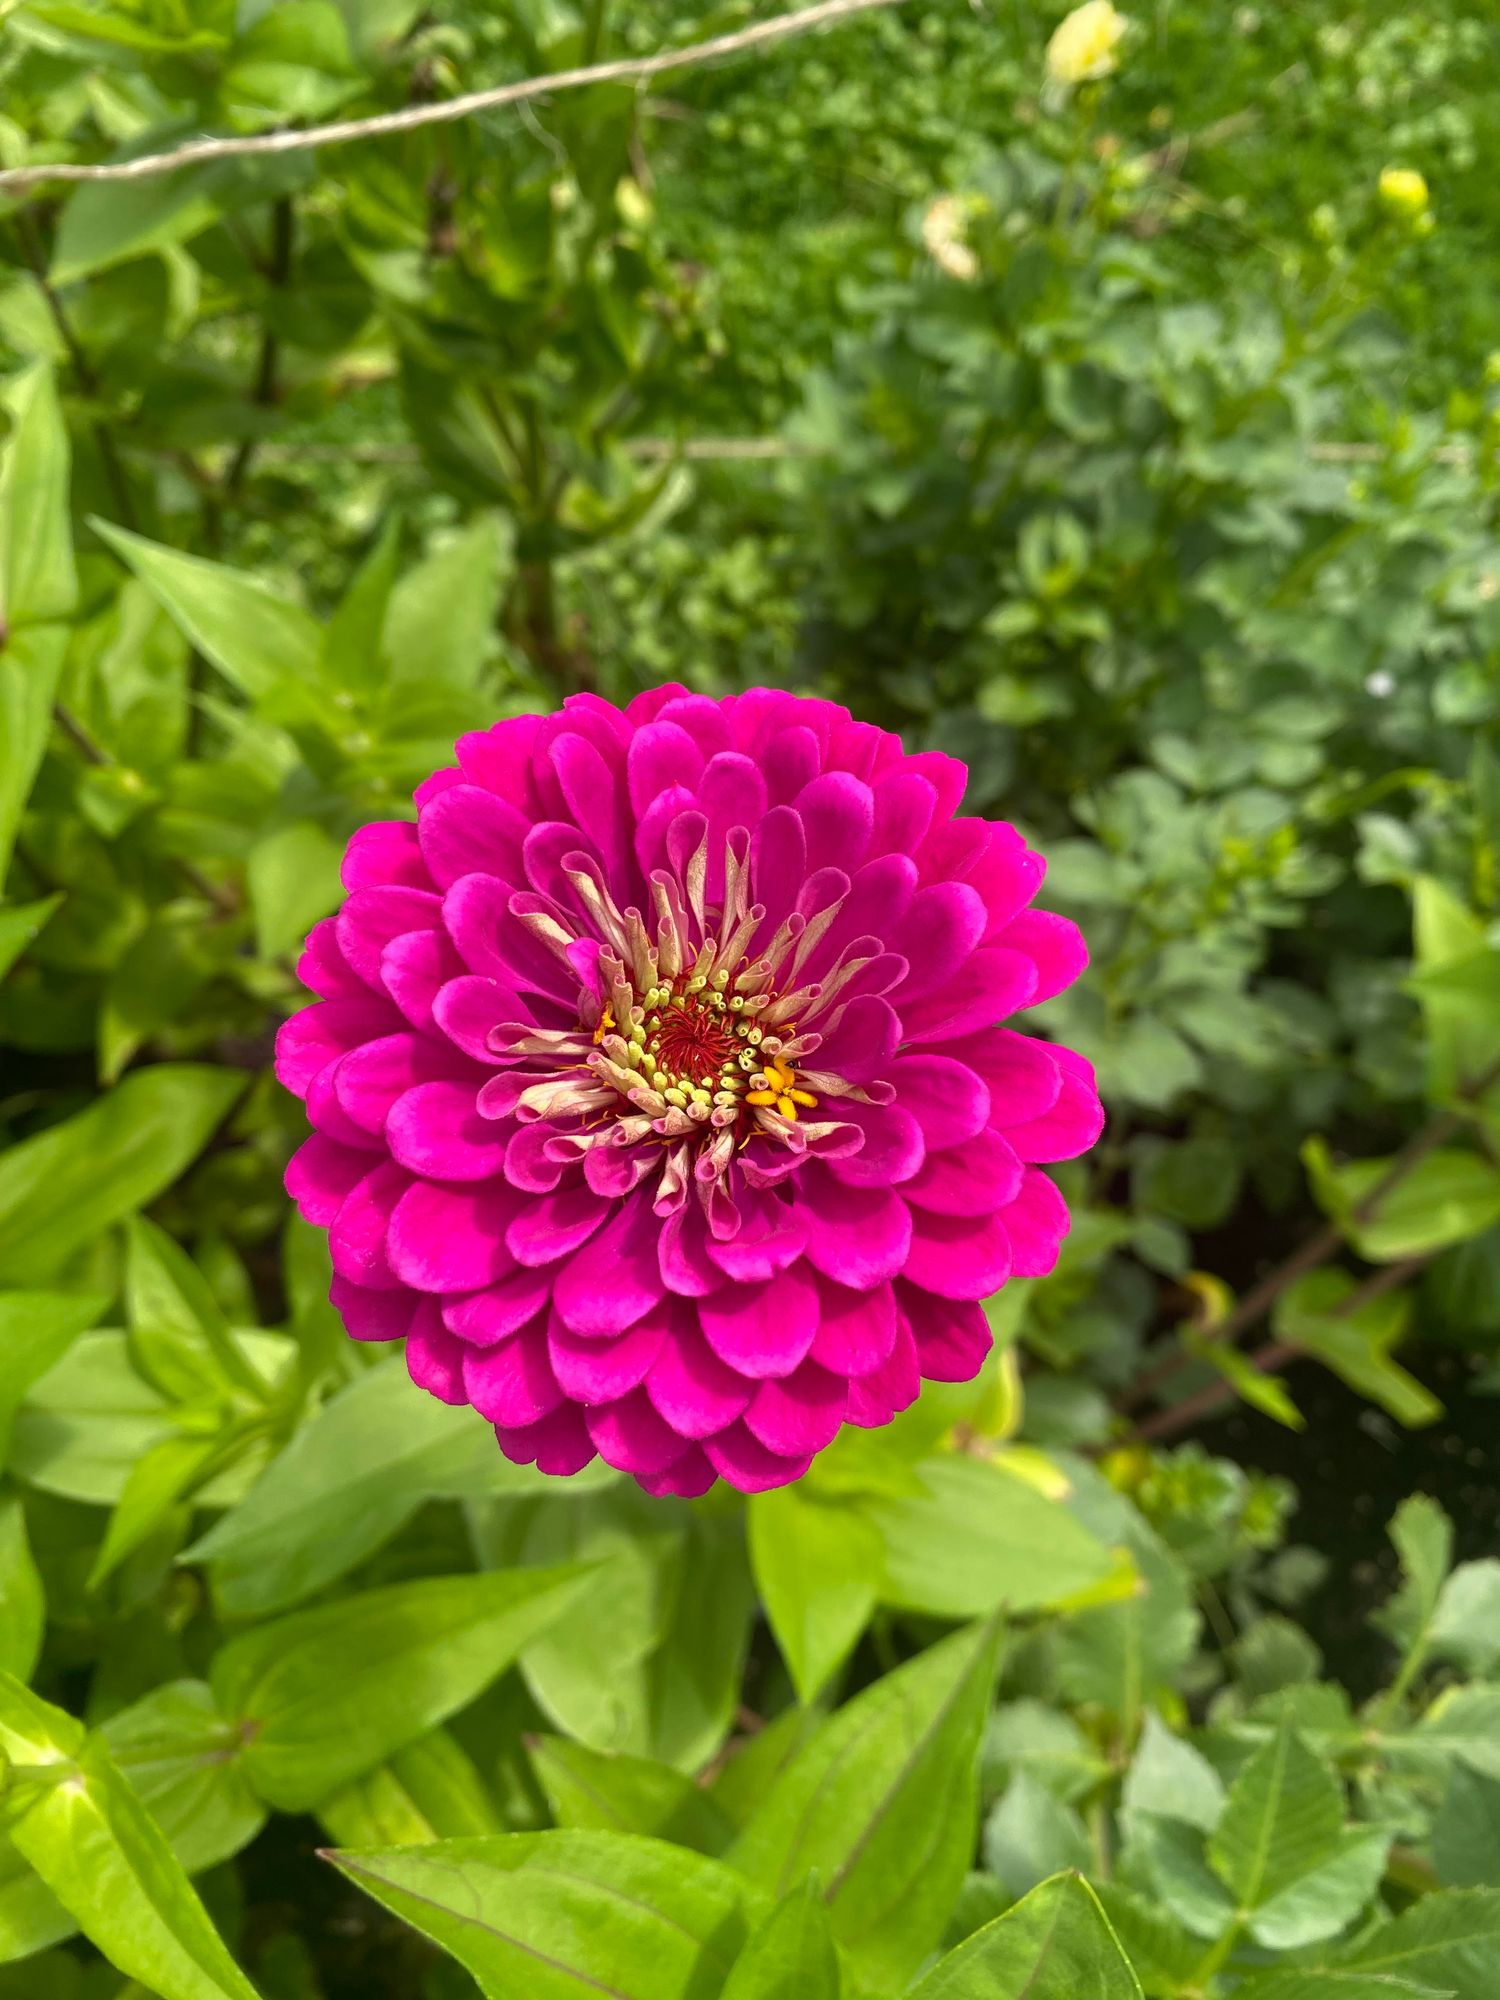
(945, 228)
(1083, 45)
(1403, 191)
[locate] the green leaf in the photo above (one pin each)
(88, 1836)
(327, 1694)
(1466, 1831)
(1466, 1621)
(347, 1481)
(1423, 1537)
(179, 1337)
(1329, 1985)
(439, 627)
(64, 1186)
(353, 657)
(1030, 1835)
(159, 1482)
(22, 924)
(38, 583)
(566, 1915)
(1450, 1940)
(1356, 1345)
(882, 1803)
(429, 1790)
(818, 1570)
(1170, 1778)
(30, 663)
(1328, 1898)
(23, 1603)
(1446, 1197)
(615, 1794)
(792, 1956)
(293, 877)
(977, 1539)
(1284, 1814)
(1057, 1945)
(107, 224)
(184, 1760)
(1463, 1723)
(36, 1330)
(253, 634)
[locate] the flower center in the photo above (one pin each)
(693, 1045)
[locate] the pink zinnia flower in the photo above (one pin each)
(660, 1097)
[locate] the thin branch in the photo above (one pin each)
(634, 69)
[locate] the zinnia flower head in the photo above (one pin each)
(1084, 42)
(660, 1096)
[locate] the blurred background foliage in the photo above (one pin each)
(1135, 441)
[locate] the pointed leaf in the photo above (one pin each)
(1284, 1814)
(792, 1956)
(818, 1569)
(1056, 1945)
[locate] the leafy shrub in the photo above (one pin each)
(1169, 505)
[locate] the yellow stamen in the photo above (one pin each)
(760, 1097)
(786, 1107)
(804, 1097)
(606, 1023)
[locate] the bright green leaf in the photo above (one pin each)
(1057, 1945)
(818, 1570)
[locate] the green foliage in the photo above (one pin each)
(1119, 440)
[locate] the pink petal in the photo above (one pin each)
(687, 1478)
(467, 830)
(321, 1174)
(972, 1179)
(309, 1041)
(857, 1330)
(953, 1337)
(938, 935)
(372, 917)
(893, 1148)
(482, 1318)
(357, 1240)
(371, 1078)
(1072, 1124)
(382, 852)
(838, 815)
(762, 1330)
(323, 966)
(434, 1359)
(559, 1445)
(470, 1006)
(947, 1098)
(512, 1384)
(694, 1391)
(863, 1042)
(616, 1276)
(372, 1315)
(892, 1387)
(413, 970)
(1036, 1223)
(991, 984)
(771, 1236)
(1023, 1075)
(631, 1436)
(738, 1456)
(546, 1227)
(958, 1256)
(905, 802)
(660, 756)
(436, 1130)
(798, 1415)
(597, 1371)
(682, 1249)
(1053, 944)
(449, 1238)
(857, 1236)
